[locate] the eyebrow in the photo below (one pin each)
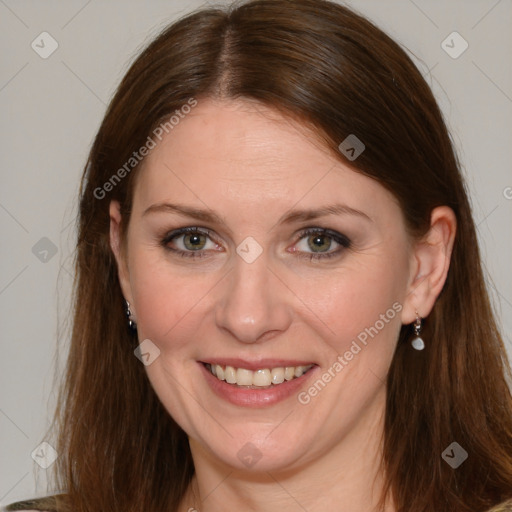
(334, 209)
(288, 218)
(188, 211)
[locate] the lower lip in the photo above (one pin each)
(249, 397)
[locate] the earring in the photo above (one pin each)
(131, 320)
(417, 343)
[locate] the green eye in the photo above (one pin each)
(189, 242)
(319, 243)
(194, 241)
(316, 243)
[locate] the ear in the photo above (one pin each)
(430, 264)
(118, 250)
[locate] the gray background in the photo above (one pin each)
(51, 109)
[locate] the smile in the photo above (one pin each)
(260, 378)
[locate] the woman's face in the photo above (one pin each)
(251, 248)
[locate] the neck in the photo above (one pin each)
(346, 477)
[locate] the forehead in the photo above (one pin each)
(239, 135)
(244, 151)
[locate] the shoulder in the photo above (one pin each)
(47, 504)
(506, 506)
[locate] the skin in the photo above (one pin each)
(251, 166)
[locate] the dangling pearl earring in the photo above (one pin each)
(417, 343)
(131, 320)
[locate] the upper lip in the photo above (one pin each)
(255, 365)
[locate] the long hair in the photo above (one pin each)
(325, 66)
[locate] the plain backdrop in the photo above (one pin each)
(51, 109)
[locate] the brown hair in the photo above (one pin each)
(319, 63)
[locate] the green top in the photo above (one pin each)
(49, 505)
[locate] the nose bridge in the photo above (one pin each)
(253, 302)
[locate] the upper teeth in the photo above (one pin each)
(261, 378)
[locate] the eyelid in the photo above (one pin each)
(340, 238)
(175, 233)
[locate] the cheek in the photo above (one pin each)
(359, 302)
(164, 297)
(359, 317)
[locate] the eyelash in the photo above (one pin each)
(339, 238)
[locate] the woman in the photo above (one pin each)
(279, 301)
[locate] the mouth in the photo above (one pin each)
(261, 378)
(257, 384)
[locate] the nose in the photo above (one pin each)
(255, 304)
